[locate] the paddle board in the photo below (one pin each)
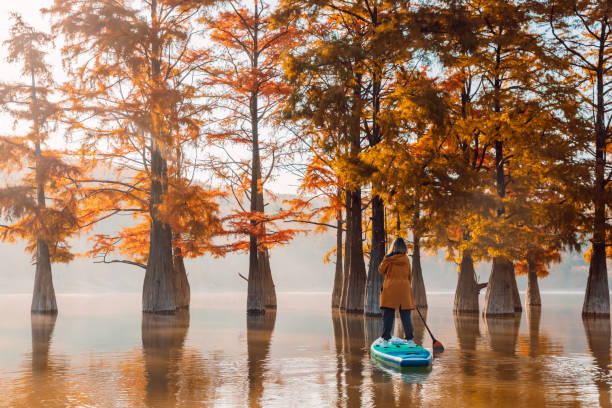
(398, 353)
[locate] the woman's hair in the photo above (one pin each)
(398, 247)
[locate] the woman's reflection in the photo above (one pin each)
(597, 332)
(163, 337)
(259, 336)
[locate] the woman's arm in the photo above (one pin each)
(382, 268)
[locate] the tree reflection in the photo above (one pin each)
(534, 316)
(382, 387)
(46, 383)
(354, 327)
(163, 337)
(597, 332)
(467, 326)
(42, 332)
(339, 340)
(259, 336)
(503, 335)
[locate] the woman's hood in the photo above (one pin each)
(398, 259)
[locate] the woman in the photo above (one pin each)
(397, 290)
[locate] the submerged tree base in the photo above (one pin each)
(466, 294)
(597, 295)
(43, 297)
(500, 298)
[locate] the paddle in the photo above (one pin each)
(437, 346)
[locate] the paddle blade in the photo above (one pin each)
(437, 346)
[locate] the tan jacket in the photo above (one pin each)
(397, 288)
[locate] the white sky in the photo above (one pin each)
(30, 11)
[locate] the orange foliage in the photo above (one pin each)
(136, 106)
(38, 201)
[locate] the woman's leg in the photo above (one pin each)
(407, 323)
(388, 315)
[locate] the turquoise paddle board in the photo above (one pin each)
(399, 354)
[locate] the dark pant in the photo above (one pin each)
(388, 316)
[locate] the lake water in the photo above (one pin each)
(100, 351)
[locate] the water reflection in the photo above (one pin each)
(555, 359)
(259, 336)
(47, 376)
(598, 338)
(381, 389)
(503, 333)
(503, 336)
(354, 357)
(339, 341)
(163, 337)
(42, 331)
(534, 316)
(467, 327)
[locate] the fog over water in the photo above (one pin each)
(296, 267)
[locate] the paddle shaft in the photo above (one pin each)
(425, 323)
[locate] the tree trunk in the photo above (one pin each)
(158, 295)
(357, 276)
(261, 291)
(418, 284)
(518, 305)
(263, 258)
(597, 295)
(357, 273)
(500, 297)
(338, 276)
(43, 297)
(257, 275)
(255, 287)
(347, 251)
(466, 294)
(263, 263)
(375, 279)
(533, 290)
(181, 283)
